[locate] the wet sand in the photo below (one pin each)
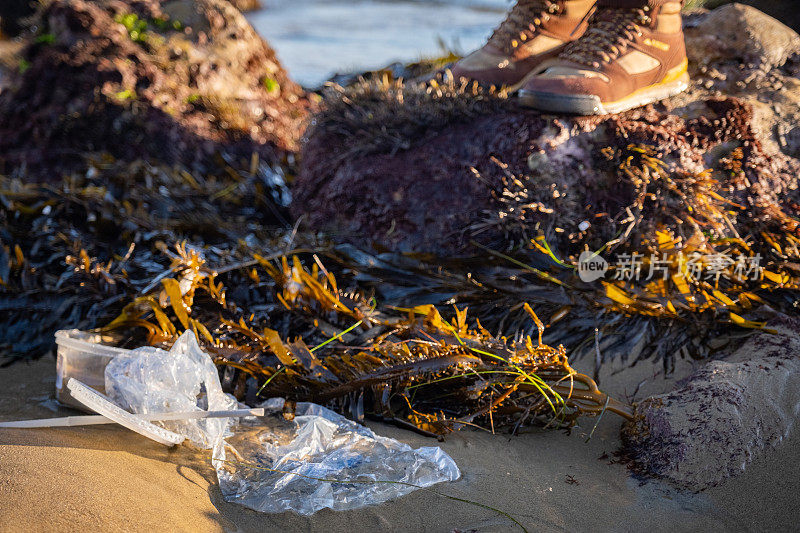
(106, 478)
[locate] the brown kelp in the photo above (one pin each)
(100, 258)
(410, 366)
(75, 250)
(697, 250)
(386, 334)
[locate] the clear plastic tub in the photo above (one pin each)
(82, 356)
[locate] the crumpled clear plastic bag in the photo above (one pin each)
(304, 465)
(150, 380)
(315, 448)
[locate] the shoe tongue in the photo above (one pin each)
(611, 13)
(611, 30)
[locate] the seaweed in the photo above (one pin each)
(98, 258)
(411, 367)
(72, 253)
(697, 197)
(380, 114)
(143, 251)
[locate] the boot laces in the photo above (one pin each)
(522, 23)
(608, 37)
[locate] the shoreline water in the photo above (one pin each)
(316, 39)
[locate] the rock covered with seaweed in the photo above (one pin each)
(724, 416)
(174, 81)
(128, 124)
(689, 191)
(430, 167)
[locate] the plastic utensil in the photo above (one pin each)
(100, 404)
(94, 420)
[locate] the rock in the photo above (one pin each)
(741, 34)
(783, 10)
(726, 414)
(174, 81)
(739, 51)
(792, 140)
(430, 169)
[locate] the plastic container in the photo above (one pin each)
(83, 356)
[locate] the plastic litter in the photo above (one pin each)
(149, 380)
(321, 459)
(96, 420)
(83, 356)
(317, 459)
(100, 404)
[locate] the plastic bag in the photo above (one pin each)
(315, 448)
(304, 465)
(150, 380)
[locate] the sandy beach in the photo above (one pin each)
(151, 150)
(105, 477)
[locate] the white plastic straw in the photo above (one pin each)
(93, 420)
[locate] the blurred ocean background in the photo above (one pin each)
(318, 38)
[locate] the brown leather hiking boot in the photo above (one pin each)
(534, 31)
(632, 54)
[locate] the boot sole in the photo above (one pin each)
(590, 104)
